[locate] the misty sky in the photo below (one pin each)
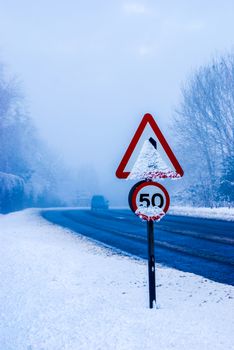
(91, 69)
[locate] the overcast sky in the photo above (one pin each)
(91, 69)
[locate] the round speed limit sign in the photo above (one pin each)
(149, 200)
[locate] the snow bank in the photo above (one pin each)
(12, 189)
(9, 181)
(62, 292)
(207, 213)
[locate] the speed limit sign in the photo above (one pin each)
(149, 200)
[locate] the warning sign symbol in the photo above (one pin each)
(150, 164)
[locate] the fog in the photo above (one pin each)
(90, 70)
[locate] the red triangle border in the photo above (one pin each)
(148, 118)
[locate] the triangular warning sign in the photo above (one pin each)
(149, 164)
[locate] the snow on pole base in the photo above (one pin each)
(150, 165)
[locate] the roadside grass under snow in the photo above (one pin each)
(61, 291)
(223, 213)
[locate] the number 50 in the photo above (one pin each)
(145, 197)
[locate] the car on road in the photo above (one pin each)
(99, 202)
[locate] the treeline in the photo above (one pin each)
(203, 126)
(29, 174)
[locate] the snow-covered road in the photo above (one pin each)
(60, 291)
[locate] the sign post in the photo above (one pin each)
(148, 199)
(151, 264)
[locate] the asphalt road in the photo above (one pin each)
(201, 246)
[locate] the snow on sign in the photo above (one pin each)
(155, 159)
(149, 200)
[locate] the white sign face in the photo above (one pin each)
(150, 164)
(149, 200)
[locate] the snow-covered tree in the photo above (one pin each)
(226, 189)
(204, 124)
(23, 157)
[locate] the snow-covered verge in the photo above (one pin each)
(59, 291)
(224, 213)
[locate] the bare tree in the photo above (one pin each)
(204, 125)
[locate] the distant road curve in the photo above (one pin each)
(201, 246)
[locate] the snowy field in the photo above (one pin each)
(223, 213)
(60, 291)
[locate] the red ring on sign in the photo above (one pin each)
(145, 184)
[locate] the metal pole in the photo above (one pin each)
(151, 263)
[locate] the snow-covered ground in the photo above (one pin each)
(223, 213)
(60, 291)
(209, 213)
